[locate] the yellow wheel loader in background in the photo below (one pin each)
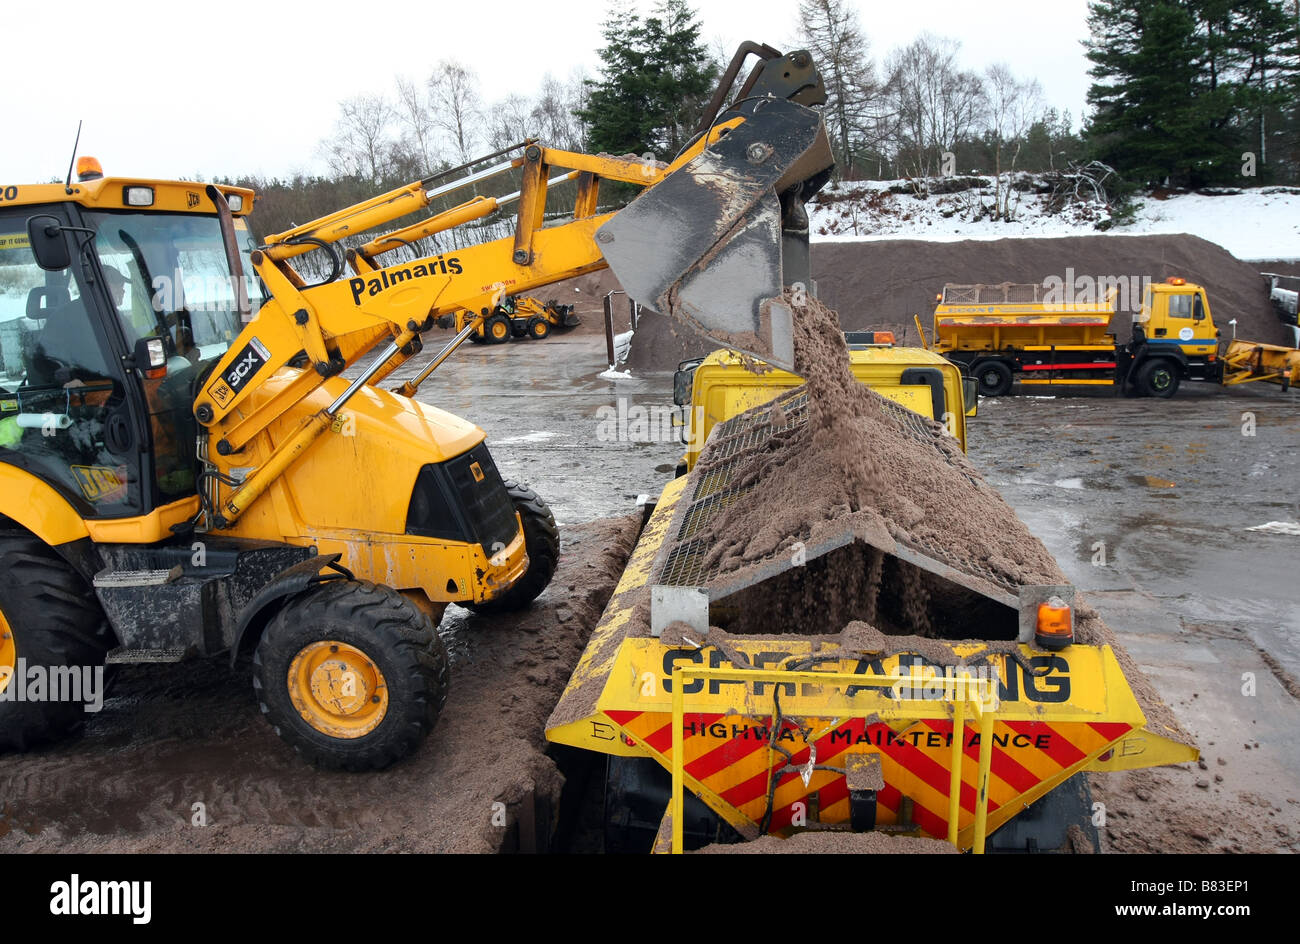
(514, 318)
(186, 471)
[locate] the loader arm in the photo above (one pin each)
(705, 242)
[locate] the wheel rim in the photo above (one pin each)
(1161, 379)
(8, 653)
(498, 330)
(992, 379)
(337, 689)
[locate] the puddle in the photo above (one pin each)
(539, 436)
(1151, 481)
(1069, 483)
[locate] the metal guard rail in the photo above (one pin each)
(982, 705)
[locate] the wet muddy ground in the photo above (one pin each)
(1148, 505)
(1170, 487)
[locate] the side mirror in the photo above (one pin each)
(49, 246)
(970, 395)
(150, 356)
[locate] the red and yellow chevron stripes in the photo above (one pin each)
(728, 763)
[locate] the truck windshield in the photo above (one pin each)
(168, 277)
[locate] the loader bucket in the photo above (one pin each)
(717, 241)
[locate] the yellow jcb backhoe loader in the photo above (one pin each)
(524, 317)
(186, 471)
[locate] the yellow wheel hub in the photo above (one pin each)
(337, 689)
(499, 330)
(8, 653)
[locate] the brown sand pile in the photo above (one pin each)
(883, 284)
(586, 293)
(852, 457)
(834, 843)
(1289, 267)
(1185, 810)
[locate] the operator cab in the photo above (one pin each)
(115, 298)
(1174, 328)
(1178, 312)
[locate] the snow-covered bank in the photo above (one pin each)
(1251, 224)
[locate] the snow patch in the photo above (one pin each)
(622, 344)
(1258, 224)
(1278, 527)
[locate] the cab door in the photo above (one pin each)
(68, 412)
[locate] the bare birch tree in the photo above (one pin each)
(1013, 106)
(415, 114)
(457, 106)
(833, 34)
(362, 142)
(937, 103)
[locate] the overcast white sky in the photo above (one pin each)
(233, 87)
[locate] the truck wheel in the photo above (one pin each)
(1158, 378)
(351, 674)
(49, 619)
(477, 337)
(497, 330)
(542, 541)
(538, 328)
(1060, 822)
(994, 378)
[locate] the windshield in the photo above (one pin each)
(168, 277)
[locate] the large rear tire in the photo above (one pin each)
(1158, 378)
(994, 378)
(50, 620)
(352, 674)
(542, 541)
(497, 330)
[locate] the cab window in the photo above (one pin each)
(1180, 306)
(63, 410)
(168, 278)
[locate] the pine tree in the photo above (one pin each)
(1184, 88)
(655, 78)
(617, 104)
(1146, 57)
(1267, 40)
(1283, 126)
(681, 76)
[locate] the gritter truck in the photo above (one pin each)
(1009, 333)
